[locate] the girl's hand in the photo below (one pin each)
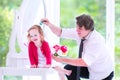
(34, 66)
(47, 66)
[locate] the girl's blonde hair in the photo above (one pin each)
(37, 27)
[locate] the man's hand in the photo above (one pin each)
(57, 58)
(45, 21)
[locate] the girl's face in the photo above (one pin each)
(35, 36)
(82, 32)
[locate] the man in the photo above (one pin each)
(96, 62)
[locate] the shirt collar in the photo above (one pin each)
(88, 36)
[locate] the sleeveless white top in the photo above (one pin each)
(41, 58)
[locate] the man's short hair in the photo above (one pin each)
(86, 21)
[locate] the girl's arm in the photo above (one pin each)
(47, 52)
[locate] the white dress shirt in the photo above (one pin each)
(95, 53)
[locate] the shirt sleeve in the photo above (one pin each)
(69, 34)
(47, 52)
(32, 54)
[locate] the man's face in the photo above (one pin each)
(81, 31)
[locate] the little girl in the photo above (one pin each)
(38, 49)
